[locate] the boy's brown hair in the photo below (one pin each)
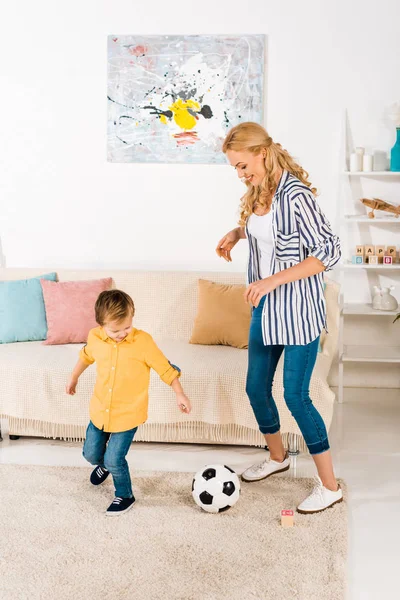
(113, 305)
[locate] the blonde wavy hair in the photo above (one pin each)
(252, 137)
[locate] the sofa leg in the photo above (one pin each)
(293, 446)
(14, 437)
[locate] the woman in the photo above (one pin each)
(291, 245)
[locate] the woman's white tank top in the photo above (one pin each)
(260, 227)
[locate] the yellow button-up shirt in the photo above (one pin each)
(120, 398)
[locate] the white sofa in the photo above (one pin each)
(33, 375)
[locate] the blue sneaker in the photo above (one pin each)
(119, 506)
(99, 474)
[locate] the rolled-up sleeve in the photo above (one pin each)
(315, 231)
(85, 354)
(156, 360)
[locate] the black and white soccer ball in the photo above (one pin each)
(216, 488)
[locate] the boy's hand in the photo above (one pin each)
(183, 403)
(70, 388)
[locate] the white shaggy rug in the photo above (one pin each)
(56, 542)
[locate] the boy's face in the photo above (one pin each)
(118, 330)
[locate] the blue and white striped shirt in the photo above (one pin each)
(295, 313)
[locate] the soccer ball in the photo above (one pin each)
(216, 488)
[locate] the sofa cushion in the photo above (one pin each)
(70, 309)
(223, 316)
(22, 312)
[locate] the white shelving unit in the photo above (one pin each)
(372, 173)
(359, 353)
(348, 265)
(365, 219)
(380, 354)
(366, 310)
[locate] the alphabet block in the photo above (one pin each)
(357, 260)
(359, 250)
(287, 518)
(373, 260)
(391, 251)
(369, 251)
(380, 253)
(387, 260)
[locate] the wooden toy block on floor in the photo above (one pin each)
(357, 260)
(359, 250)
(387, 260)
(380, 253)
(369, 251)
(373, 260)
(287, 518)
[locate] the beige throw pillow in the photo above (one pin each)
(223, 317)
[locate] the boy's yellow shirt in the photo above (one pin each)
(120, 398)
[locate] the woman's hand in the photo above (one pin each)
(258, 289)
(225, 245)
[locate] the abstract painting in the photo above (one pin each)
(172, 99)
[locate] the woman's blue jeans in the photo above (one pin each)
(298, 366)
(108, 450)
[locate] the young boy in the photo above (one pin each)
(124, 356)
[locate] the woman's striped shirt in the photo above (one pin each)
(295, 313)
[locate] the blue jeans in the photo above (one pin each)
(298, 366)
(108, 450)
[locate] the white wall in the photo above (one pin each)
(63, 205)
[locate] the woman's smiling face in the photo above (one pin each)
(249, 167)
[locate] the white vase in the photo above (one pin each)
(367, 162)
(388, 302)
(377, 299)
(356, 161)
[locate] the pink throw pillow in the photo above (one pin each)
(70, 309)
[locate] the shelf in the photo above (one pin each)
(349, 265)
(382, 354)
(373, 173)
(365, 219)
(366, 309)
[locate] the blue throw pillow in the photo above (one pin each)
(22, 311)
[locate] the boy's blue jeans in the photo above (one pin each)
(108, 450)
(299, 362)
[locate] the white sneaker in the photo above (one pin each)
(265, 469)
(320, 499)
